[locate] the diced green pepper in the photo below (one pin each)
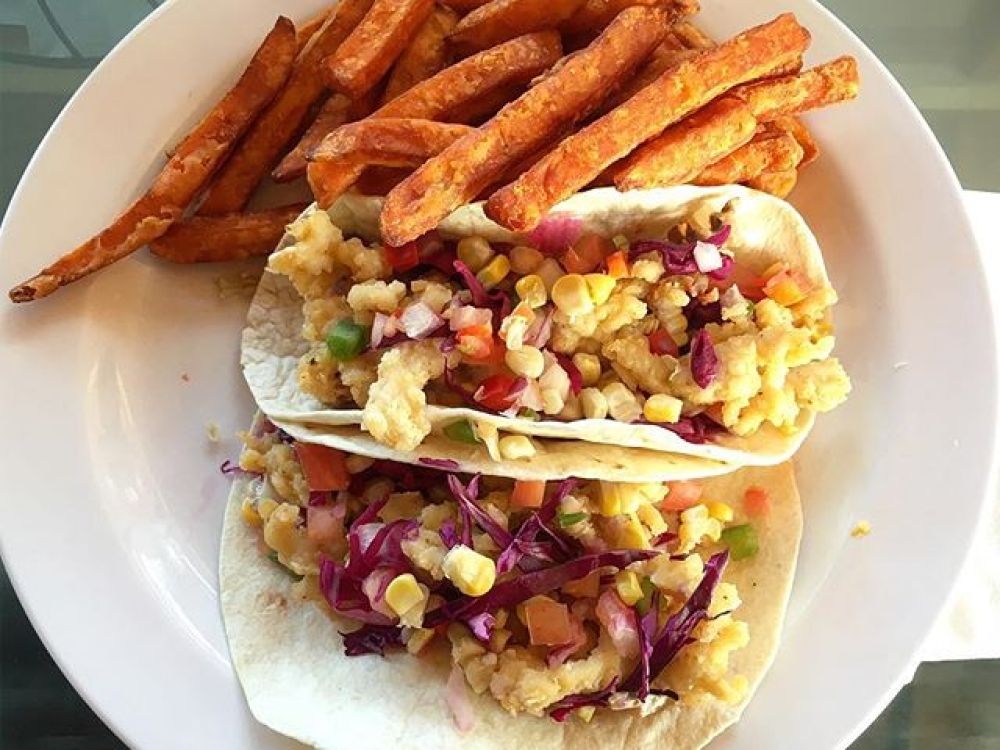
(568, 519)
(527, 413)
(273, 557)
(461, 431)
(346, 340)
(647, 586)
(741, 540)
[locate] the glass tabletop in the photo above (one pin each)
(946, 55)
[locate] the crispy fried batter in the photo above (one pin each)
(185, 174)
(501, 20)
(377, 42)
(767, 152)
(336, 111)
(681, 90)
(830, 83)
(513, 62)
(778, 184)
(210, 239)
(426, 54)
(460, 172)
(683, 150)
(282, 121)
(391, 142)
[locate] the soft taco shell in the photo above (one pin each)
(764, 230)
(289, 657)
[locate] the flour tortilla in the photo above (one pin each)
(289, 656)
(764, 230)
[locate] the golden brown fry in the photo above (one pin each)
(185, 174)
(795, 128)
(464, 6)
(371, 49)
(336, 111)
(668, 54)
(380, 180)
(461, 171)
(308, 29)
(393, 142)
(211, 239)
(682, 89)
(426, 54)
(767, 152)
(683, 150)
(478, 111)
(692, 37)
(830, 83)
(501, 20)
(596, 14)
(511, 63)
(283, 120)
(778, 184)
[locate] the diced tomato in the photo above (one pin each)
(494, 392)
(683, 495)
(325, 468)
(587, 253)
(325, 523)
(403, 258)
(586, 587)
(756, 501)
(548, 622)
(617, 265)
(476, 342)
(661, 342)
(527, 494)
(785, 289)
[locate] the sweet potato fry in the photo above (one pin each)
(692, 37)
(335, 112)
(511, 63)
(682, 89)
(501, 20)
(191, 166)
(464, 6)
(260, 150)
(683, 150)
(668, 54)
(767, 152)
(211, 239)
(426, 54)
(392, 142)
(307, 30)
(596, 14)
(380, 180)
(478, 111)
(461, 171)
(371, 49)
(778, 184)
(830, 83)
(795, 128)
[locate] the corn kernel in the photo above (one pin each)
(250, 514)
(600, 286)
(593, 403)
(651, 518)
(628, 588)
(586, 713)
(589, 366)
(632, 535)
(475, 252)
(632, 496)
(531, 289)
(527, 361)
(571, 296)
(266, 507)
(514, 447)
(473, 574)
(610, 501)
(549, 272)
(553, 401)
(494, 272)
(662, 408)
(720, 511)
(525, 260)
(623, 405)
(403, 593)
(419, 638)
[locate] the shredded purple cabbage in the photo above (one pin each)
(560, 710)
(467, 396)
(407, 476)
(344, 594)
(696, 429)
(471, 511)
(449, 537)
(572, 371)
(525, 551)
(285, 437)
(664, 645)
(704, 360)
(555, 233)
(231, 469)
(679, 259)
(521, 588)
(372, 639)
(723, 272)
(700, 314)
(480, 297)
(482, 626)
(440, 463)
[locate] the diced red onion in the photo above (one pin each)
(419, 321)
(374, 587)
(466, 315)
(707, 257)
(459, 699)
(620, 622)
(556, 233)
(540, 330)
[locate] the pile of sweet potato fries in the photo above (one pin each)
(520, 103)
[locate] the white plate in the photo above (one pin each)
(112, 498)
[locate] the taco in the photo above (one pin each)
(686, 320)
(375, 604)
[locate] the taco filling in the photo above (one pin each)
(554, 599)
(675, 328)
